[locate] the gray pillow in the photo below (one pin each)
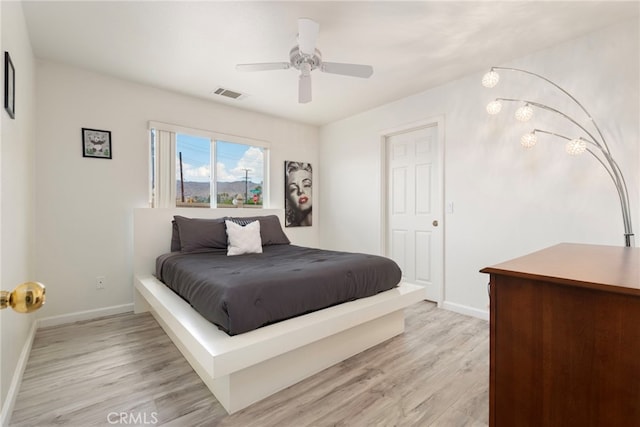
(270, 229)
(175, 236)
(198, 234)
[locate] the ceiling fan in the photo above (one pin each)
(306, 58)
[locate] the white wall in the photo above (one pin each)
(507, 201)
(16, 201)
(85, 205)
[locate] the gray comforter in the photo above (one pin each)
(245, 292)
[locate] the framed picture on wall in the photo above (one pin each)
(96, 143)
(298, 183)
(9, 86)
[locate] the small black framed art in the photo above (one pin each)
(96, 143)
(9, 86)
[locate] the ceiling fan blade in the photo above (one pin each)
(354, 70)
(264, 66)
(304, 88)
(307, 35)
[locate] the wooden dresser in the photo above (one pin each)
(565, 338)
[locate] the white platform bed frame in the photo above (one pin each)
(243, 369)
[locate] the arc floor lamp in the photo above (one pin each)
(595, 145)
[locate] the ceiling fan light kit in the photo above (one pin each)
(306, 58)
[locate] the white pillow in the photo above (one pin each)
(243, 240)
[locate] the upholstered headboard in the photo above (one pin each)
(152, 230)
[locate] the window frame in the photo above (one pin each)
(213, 137)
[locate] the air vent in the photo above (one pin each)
(228, 93)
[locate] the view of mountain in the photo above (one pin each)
(200, 190)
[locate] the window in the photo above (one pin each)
(193, 174)
(239, 174)
(181, 172)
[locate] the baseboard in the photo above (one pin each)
(14, 388)
(465, 309)
(45, 322)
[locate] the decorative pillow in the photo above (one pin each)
(175, 236)
(243, 240)
(270, 229)
(199, 234)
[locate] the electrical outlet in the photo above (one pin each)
(101, 281)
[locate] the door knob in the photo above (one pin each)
(435, 223)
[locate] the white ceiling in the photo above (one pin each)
(193, 47)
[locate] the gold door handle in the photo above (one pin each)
(435, 223)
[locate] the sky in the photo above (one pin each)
(232, 160)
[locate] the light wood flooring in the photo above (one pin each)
(125, 369)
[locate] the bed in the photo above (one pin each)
(244, 368)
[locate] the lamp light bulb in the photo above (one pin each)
(576, 147)
(528, 140)
(524, 113)
(494, 107)
(490, 79)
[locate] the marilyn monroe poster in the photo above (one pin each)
(297, 190)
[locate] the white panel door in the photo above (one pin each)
(414, 232)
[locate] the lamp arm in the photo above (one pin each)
(613, 169)
(604, 165)
(595, 125)
(546, 107)
(623, 187)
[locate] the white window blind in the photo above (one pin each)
(165, 169)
